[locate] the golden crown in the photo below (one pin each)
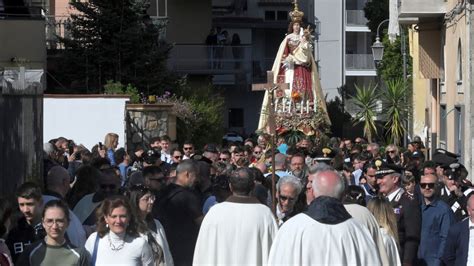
(296, 15)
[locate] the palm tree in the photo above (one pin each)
(395, 102)
(365, 101)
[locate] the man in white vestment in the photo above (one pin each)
(239, 231)
(325, 234)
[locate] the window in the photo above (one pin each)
(458, 130)
(459, 68)
(158, 8)
(442, 123)
(276, 15)
(236, 117)
(270, 15)
(282, 15)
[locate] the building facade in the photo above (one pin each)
(440, 45)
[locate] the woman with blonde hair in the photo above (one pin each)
(110, 144)
(383, 213)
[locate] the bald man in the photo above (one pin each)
(325, 234)
(436, 219)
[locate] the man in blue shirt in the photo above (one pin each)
(437, 218)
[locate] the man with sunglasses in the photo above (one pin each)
(109, 185)
(288, 189)
(406, 210)
(188, 150)
(437, 218)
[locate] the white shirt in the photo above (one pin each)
(392, 195)
(470, 251)
(135, 251)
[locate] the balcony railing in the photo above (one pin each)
(356, 18)
(213, 60)
(360, 62)
(421, 8)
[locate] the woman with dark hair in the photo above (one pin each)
(117, 240)
(142, 200)
(54, 249)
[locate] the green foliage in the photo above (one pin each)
(113, 40)
(118, 88)
(376, 11)
(338, 116)
(366, 102)
(392, 62)
(207, 106)
(396, 108)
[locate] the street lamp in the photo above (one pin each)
(377, 47)
(377, 51)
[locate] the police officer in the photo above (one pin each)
(406, 209)
(451, 190)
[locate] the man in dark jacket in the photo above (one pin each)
(28, 228)
(457, 248)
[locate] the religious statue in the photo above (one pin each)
(294, 64)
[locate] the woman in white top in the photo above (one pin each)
(142, 199)
(117, 240)
(383, 213)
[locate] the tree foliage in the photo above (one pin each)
(113, 40)
(396, 108)
(207, 123)
(365, 101)
(376, 11)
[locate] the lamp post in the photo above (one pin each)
(377, 47)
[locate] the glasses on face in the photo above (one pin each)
(108, 186)
(187, 148)
(58, 222)
(178, 157)
(223, 159)
(285, 198)
(149, 199)
(427, 185)
(391, 151)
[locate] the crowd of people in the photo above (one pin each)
(344, 203)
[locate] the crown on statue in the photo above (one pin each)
(296, 15)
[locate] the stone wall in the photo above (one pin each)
(145, 121)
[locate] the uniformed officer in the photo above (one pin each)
(407, 210)
(452, 190)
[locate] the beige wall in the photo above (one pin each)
(421, 88)
(455, 33)
(29, 45)
(189, 21)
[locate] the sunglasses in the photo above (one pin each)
(222, 159)
(427, 185)
(187, 148)
(391, 151)
(284, 198)
(177, 157)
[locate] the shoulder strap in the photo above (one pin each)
(94, 253)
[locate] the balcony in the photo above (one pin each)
(421, 8)
(360, 62)
(228, 64)
(356, 18)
